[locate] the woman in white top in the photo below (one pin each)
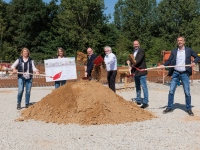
(60, 54)
(25, 65)
(111, 67)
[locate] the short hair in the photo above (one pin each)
(136, 41)
(60, 48)
(25, 49)
(108, 47)
(181, 37)
(89, 48)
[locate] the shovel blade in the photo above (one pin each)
(131, 75)
(98, 60)
(57, 76)
(85, 78)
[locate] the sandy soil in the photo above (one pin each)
(175, 130)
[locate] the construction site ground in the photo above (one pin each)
(176, 130)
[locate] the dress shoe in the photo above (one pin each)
(189, 111)
(18, 106)
(27, 105)
(144, 106)
(167, 110)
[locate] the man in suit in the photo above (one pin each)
(139, 76)
(90, 64)
(179, 57)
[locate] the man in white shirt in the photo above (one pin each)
(179, 57)
(111, 67)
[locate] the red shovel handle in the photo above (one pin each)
(131, 75)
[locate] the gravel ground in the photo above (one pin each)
(175, 130)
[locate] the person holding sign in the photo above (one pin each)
(111, 67)
(60, 54)
(89, 66)
(24, 66)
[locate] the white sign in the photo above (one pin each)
(60, 69)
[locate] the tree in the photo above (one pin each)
(177, 18)
(26, 23)
(135, 19)
(119, 14)
(2, 26)
(81, 23)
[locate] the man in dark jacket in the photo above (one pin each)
(180, 57)
(140, 76)
(90, 64)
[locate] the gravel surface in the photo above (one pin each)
(175, 130)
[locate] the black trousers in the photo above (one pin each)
(111, 76)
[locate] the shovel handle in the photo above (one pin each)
(167, 67)
(43, 75)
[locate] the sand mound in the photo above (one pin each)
(85, 102)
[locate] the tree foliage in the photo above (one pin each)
(81, 24)
(76, 25)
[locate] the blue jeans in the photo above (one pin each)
(141, 81)
(176, 77)
(28, 83)
(59, 83)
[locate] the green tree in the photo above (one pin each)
(119, 18)
(27, 20)
(135, 19)
(2, 26)
(177, 18)
(80, 24)
(153, 56)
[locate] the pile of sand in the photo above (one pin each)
(85, 102)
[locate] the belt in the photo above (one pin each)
(181, 72)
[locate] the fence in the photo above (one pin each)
(7, 81)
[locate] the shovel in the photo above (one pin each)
(85, 78)
(97, 62)
(130, 74)
(55, 77)
(159, 67)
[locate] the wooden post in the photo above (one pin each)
(166, 55)
(163, 72)
(125, 82)
(192, 76)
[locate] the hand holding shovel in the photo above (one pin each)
(129, 68)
